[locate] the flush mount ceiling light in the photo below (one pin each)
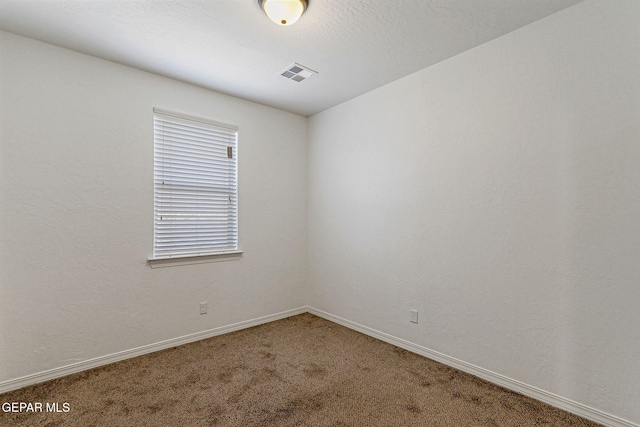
(284, 12)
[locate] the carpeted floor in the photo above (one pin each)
(300, 371)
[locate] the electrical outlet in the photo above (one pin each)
(414, 316)
(203, 307)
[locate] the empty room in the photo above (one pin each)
(320, 213)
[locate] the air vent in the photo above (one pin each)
(297, 72)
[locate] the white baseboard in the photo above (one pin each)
(506, 382)
(39, 377)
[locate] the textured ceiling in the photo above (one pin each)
(230, 46)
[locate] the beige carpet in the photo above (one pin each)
(301, 371)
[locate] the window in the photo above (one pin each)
(195, 187)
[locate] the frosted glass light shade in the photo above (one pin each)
(284, 12)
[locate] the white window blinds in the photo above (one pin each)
(195, 187)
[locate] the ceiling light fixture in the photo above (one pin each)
(284, 12)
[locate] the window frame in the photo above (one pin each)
(206, 182)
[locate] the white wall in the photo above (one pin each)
(76, 218)
(498, 193)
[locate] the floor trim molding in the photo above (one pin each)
(62, 371)
(495, 378)
(511, 384)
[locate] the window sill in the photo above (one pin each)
(193, 259)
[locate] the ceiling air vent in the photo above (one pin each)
(297, 72)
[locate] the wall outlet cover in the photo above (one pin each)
(414, 316)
